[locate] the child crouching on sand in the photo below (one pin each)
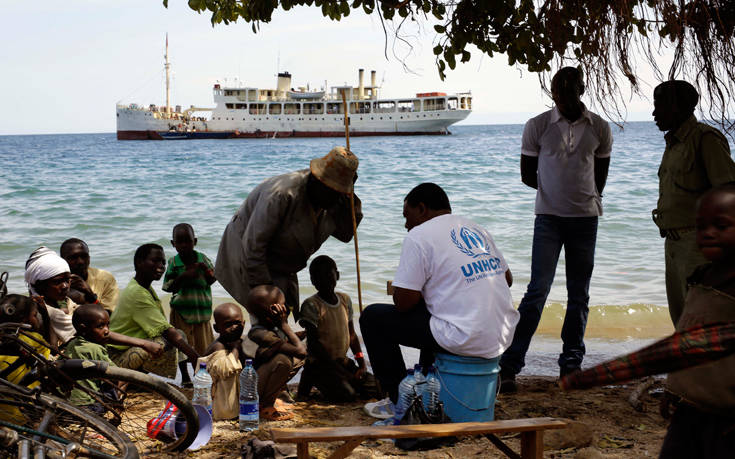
(280, 352)
(703, 424)
(327, 318)
(225, 360)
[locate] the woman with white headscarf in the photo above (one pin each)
(48, 276)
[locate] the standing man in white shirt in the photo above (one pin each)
(452, 292)
(565, 156)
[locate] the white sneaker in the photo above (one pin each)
(383, 409)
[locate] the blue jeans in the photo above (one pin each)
(550, 233)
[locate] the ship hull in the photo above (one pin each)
(154, 135)
(140, 124)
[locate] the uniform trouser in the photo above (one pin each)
(578, 236)
(273, 376)
(694, 433)
(384, 329)
(682, 256)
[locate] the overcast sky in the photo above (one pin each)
(66, 64)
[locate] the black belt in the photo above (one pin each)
(672, 233)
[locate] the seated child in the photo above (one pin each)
(225, 360)
(280, 352)
(702, 424)
(189, 276)
(140, 314)
(327, 318)
(92, 325)
(22, 309)
(16, 366)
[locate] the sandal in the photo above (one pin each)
(382, 409)
(272, 414)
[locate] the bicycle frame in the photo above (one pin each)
(53, 373)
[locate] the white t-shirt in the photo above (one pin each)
(455, 265)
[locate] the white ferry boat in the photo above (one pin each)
(288, 112)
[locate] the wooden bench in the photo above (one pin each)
(531, 430)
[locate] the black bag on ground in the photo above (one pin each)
(417, 415)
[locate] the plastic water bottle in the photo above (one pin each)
(406, 394)
(418, 375)
(202, 388)
(431, 394)
(249, 412)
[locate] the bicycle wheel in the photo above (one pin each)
(46, 422)
(144, 398)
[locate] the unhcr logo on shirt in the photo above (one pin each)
(471, 243)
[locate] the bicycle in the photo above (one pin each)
(31, 421)
(137, 397)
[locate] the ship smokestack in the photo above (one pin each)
(373, 89)
(361, 87)
(284, 84)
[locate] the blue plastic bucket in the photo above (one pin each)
(468, 387)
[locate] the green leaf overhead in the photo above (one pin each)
(612, 41)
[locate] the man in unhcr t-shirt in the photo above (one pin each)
(452, 292)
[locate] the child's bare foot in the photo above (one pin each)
(272, 414)
(281, 405)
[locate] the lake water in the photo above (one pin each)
(117, 195)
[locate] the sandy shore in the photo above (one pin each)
(603, 425)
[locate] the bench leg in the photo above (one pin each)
(346, 448)
(302, 450)
(532, 444)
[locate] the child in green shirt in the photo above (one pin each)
(92, 325)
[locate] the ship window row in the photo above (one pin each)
(336, 108)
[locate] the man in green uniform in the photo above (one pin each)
(697, 158)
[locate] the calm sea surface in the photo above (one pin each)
(117, 195)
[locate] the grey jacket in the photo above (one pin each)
(275, 231)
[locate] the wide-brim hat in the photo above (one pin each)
(336, 169)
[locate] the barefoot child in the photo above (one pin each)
(189, 277)
(224, 363)
(280, 352)
(327, 318)
(703, 424)
(92, 324)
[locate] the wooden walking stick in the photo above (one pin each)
(352, 203)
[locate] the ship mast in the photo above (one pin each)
(168, 78)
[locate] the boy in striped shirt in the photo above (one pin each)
(189, 276)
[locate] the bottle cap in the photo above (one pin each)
(409, 371)
(203, 365)
(248, 361)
